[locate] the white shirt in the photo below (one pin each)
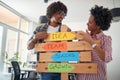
(52, 29)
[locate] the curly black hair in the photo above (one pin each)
(55, 7)
(102, 17)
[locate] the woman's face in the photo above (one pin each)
(91, 24)
(58, 17)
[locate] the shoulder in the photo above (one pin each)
(42, 26)
(107, 37)
(37, 28)
(106, 40)
(103, 36)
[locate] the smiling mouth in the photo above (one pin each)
(60, 19)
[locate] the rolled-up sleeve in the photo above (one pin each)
(107, 46)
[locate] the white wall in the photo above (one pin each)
(78, 10)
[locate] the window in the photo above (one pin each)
(15, 32)
(1, 55)
(23, 47)
(11, 43)
(1, 30)
(8, 17)
(24, 25)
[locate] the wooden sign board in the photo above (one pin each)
(63, 46)
(84, 68)
(65, 28)
(60, 36)
(48, 57)
(64, 76)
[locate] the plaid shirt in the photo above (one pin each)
(42, 28)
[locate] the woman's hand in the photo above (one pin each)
(87, 37)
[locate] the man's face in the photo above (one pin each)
(58, 17)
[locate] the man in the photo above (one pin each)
(55, 14)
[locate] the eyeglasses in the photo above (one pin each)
(62, 13)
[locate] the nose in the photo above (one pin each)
(62, 16)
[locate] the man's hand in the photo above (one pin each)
(41, 35)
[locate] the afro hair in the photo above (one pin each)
(102, 17)
(55, 7)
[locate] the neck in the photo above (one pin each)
(95, 32)
(53, 24)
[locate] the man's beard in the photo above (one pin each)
(59, 23)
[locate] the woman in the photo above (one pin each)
(99, 21)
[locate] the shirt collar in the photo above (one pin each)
(99, 35)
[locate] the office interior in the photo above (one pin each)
(19, 18)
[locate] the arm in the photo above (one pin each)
(98, 49)
(100, 52)
(33, 40)
(105, 50)
(31, 43)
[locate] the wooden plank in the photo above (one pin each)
(60, 36)
(63, 46)
(84, 68)
(46, 57)
(64, 76)
(64, 28)
(85, 57)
